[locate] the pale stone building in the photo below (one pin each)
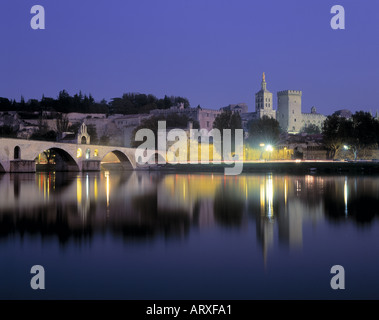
(288, 112)
(205, 117)
(264, 102)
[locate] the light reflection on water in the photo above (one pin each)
(250, 223)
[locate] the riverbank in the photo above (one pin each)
(279, 167)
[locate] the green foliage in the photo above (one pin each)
(228, 120)
(44, 136)
(265, 130)
(137, 103)
(310, 129)
(357, 133)
(129, 103)
(7, 132)
(91, 130)
(64, 103)
(173, 120)
(62, 123)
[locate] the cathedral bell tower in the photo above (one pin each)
(263, 101)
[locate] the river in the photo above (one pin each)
(155, 235)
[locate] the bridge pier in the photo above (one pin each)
(17, 166)
(91, 165)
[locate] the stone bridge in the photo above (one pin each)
(18, 155)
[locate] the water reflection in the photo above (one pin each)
(140, 206)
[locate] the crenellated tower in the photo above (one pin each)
(289, 110)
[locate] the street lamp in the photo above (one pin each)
(269, 148)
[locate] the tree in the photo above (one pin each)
(7, 132)
(173, 120)
(50, 135)
(50, 156)
(62, 123)
(227, 119)
(334, 131)
(358, 133)
(363, 132)
(92, 132)
(265, 130)
(310, 129)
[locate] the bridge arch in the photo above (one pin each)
(124, 161)
(58, 159)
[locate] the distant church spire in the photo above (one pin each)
(263, 81)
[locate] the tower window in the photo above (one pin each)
(295, 119)
(293, 111)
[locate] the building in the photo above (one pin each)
(344, 113)
(241, 108)
(289, 114)
(264, 101)
(205, 117)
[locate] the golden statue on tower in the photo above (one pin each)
(263, 77)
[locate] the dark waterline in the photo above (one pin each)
(141, 235)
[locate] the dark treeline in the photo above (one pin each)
(129, 103)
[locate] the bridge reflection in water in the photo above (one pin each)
(142, 205)
(137, 235)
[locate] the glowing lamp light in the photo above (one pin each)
(261, 144)
(346, 147)
(269, 148)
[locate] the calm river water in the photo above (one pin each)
(141, 235)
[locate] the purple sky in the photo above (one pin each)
(211, 51)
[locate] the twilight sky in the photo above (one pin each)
(211, 51)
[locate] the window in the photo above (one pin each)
(207, 124)
(17, 153)
(295, 119)
(293, 111)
